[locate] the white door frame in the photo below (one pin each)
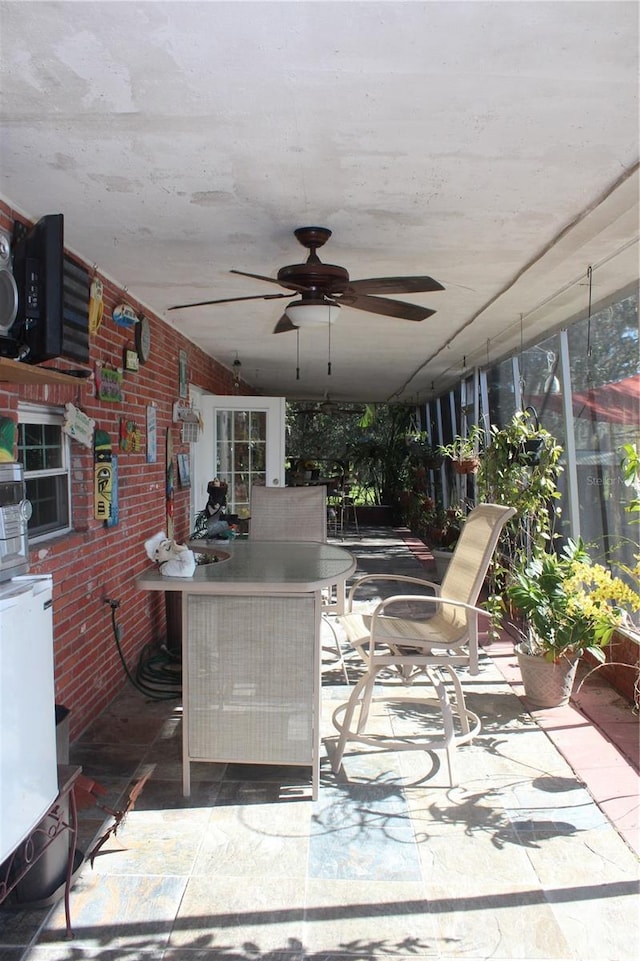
(203, 453)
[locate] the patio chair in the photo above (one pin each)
(288, 514)
(422, 635)
(298, 514)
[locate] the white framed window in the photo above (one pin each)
(43, 450)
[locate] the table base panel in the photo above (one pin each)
(251, 678)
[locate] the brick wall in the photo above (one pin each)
(93, 561)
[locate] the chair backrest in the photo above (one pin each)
(471, 558)
(288, 514)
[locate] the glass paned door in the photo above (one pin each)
(243, 445)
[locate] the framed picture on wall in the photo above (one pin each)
(182, 371)
(184, 475)
(152, 434)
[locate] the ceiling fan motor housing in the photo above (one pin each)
(325, 278)
(317, 277)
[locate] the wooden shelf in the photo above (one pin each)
(16, 373)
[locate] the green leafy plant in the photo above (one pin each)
(630, 466)
(444, 529)
(421, 451)
(436, 525)
(464, 447)
(510, 475)
(379, 455)
(569, 604)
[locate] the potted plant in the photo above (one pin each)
(506, 477)
(463, 451)
(437, 526)
(569, 605)
(421, 452)
(442, 535)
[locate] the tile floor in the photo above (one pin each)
(534, 856)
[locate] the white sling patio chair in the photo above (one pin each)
(298, 514)
(288, 514)
(430, 636)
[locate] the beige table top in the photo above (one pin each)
(259, 567)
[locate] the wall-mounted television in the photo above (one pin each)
(38, 270)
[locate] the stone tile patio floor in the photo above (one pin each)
(533, 856)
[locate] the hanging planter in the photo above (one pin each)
(468, 466)
(528, 451)
(463, 451)
(531, 451)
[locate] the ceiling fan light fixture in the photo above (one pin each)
(303, 314)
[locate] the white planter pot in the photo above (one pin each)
(442, 559)
(546, 683)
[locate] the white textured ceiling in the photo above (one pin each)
(493, 146)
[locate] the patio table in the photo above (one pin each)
(251, 653)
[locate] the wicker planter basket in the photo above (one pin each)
(546, 683)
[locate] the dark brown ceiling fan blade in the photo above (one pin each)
(283, 325)
(388, 308)
(329, 284)
(272, 280)
(395, 285)
(231, 300)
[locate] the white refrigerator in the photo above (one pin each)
(28, 764)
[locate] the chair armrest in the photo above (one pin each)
(426, 599)
(472, 639)
(395, 578)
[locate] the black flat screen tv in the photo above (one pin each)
(38, 270)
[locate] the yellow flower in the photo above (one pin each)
(600, 594)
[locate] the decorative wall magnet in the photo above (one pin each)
(130, 436)
(152, 434)
(130, 360)
(102, 476)
(114, 512)
(96, 305)
(182, 373)
(109, 383)
(184, 474)
(78, 425)
(124, 315)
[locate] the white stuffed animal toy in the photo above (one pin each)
(174, 560)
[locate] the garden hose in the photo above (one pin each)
(159, 675)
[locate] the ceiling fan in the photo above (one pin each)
(328, 287)
(328, 407)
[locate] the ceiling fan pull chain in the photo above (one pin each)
(329, 360)
(298, 355)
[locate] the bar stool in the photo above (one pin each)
(332, 518)
(334, 510)
(349, 510)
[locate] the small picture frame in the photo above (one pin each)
(184, 475)
(182, 373)
(152, 434)
(130, 360)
